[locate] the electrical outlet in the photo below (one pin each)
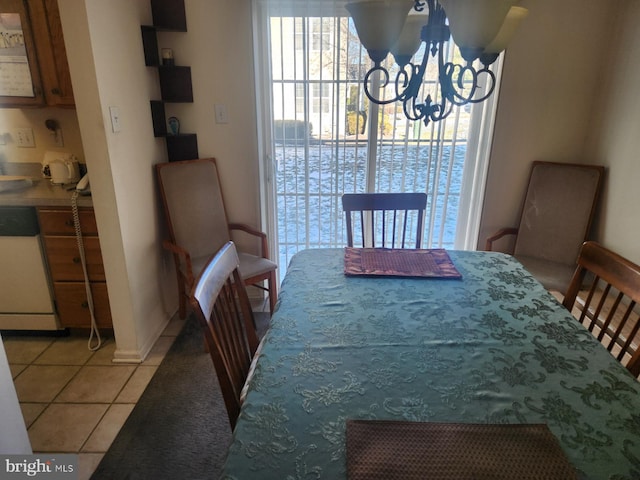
(23, 137)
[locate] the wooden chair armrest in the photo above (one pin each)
(247, 228)
(181, 254)
(256, 233)
(498, 235)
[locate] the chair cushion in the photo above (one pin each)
(552, 275)
(250, 265)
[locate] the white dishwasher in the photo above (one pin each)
(25, 294)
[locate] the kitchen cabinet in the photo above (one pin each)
(36, 74)
(65, 268)
(52, 55)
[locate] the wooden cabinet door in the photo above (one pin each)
(73, 307)
(16, 40)
(59, 221)
(63, 257)
(52, 55)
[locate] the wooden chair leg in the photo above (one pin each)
(273, 292)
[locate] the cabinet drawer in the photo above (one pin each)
(59, 221)
(63, 257)
(72, 306)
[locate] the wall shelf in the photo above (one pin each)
(175, 81)
(175, 84)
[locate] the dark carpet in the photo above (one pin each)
(179, 428)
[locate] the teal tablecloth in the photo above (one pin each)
(493, 347)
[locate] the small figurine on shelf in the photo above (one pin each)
(167, 57)
(174, 125)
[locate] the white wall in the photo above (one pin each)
(104, 47)
(34, 118)
(614, 140)
(552, 74)
(219, 48)
(106, 59)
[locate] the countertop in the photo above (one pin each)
(43, 194)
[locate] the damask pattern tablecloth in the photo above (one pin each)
(493, 347)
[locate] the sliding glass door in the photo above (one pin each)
(322, 137)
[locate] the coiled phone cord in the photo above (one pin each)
(87, 285)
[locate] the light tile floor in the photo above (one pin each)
(74, 400)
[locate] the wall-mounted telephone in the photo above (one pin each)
(83, 186)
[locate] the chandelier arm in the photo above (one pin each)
(453, 94)
(448, 79)
(420, 4)
(369, 95)
(412, 88)
(412, 109)
(402, 79)
(492, 76)
(439, 111)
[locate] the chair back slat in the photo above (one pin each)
(383, 216)
(221, 304)
(610, 307)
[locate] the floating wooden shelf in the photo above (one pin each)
(150, 46)
(169, 15)
(182, 147)
(175, 84)
(175, 81)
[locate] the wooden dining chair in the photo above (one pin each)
(555, 220)
(220, 301)
(384, 219)
(605, 289)
(198, 227)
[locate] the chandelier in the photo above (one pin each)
(480, 28)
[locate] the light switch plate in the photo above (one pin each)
(221, 113)
(116, 124)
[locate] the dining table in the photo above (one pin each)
(489, 346)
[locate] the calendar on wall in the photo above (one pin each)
(15, 75)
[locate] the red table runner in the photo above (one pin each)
(434, 263)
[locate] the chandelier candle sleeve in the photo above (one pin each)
(507, 31)
(379, 24)
(475, 24)
(409, 41)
